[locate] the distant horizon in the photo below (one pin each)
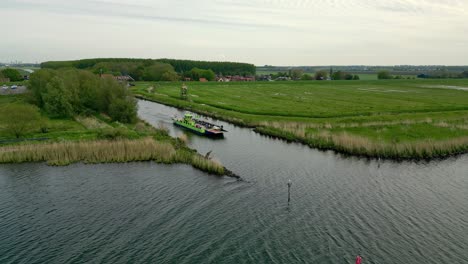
(263, 65)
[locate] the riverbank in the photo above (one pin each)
(90, 139)
(386, 122)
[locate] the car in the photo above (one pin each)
(14, 86)
(4, 87)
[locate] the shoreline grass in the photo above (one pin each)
(397, 119)
(107, 151)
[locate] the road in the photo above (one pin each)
(18, 90)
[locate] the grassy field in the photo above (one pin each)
(394, 118)
(93, 139)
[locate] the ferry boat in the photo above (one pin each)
(199, 127)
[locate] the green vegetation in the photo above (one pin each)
(444, 74)
(152, 70)
(69, 129)
(19, 119)
(196, 74)
(13, 74)
(69, 92)
(387, 118)
(219, 67)
(339, 75)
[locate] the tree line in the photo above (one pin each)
(443, 74)
(218, 67)
(153, 70)
(298, 74)
(69, 92)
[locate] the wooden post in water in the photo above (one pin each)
(289, 190)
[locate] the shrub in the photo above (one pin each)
(20, 119)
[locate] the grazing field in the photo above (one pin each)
(394, 118)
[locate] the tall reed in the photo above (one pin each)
(63, 153)
(107, 151)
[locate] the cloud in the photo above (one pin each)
(259, 31)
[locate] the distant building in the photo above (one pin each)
(222, 79)
(235, 78)
(124, 78)
(120, 78)
(264, 78)
(203, 80)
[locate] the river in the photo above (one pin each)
(387, 212)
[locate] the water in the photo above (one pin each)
(144, 212)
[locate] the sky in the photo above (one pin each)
(262, 32)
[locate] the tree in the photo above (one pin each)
(348, 76)
(57, 99)
(338, 75)
(123, 110)
(117, 101)
(307, 77)
(197, 73)
(170, 76)
(37, 84)
(296, 73)
(321, 75)
(464, 74)
(13, 74)
(155, 72)
(356, 77)
(384, 75)
(20, 118)
(66, 92)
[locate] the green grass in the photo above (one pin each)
(324, 114)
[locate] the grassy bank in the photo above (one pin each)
(400, 119)
(92, 139)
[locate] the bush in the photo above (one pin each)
(20, 119)
(123, 110)
(321, 75)
(57, 99)
(384, 75)
(307, 77)
(13, 74)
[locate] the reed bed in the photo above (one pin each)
(423, 149)
(357, 145)
(107, 151)
(100, 151)
(208, 165)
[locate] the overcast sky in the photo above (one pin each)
(274, 32)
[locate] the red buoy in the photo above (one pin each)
(358, 259)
